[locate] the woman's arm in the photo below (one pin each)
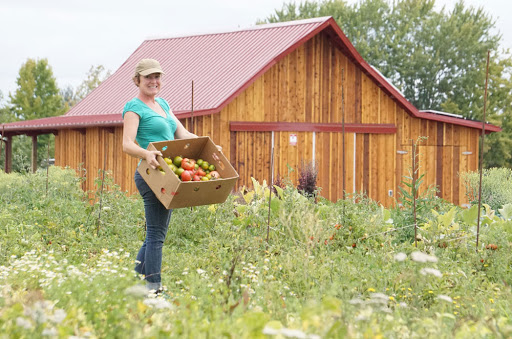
(130, 125)
(181, 131)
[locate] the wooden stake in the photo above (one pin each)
(480, 164)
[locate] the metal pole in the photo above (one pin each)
(102, 182)
(414, 192)
(47, 167)
(343, 135)
(192, 111)
(271, 185)
(480, 164)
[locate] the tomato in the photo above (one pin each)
(196, 178)
(186, 175)
(177, 161)
(201, 172)
(215, 175)
(211, 168)
(187, 163)
(204, 179)
(199, 162)
(179, 171)
(205, 165)
(168, 161)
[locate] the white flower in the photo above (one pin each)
(51, 332)
(22, 322)
(422, 257)
(432, 271)
(158, 303)
(445, 298)
(200, 271)
(137, 290)
(271, 331)
(58, 316)
(400, 256)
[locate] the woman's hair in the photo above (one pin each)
(136, 79)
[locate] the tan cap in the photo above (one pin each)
(148, 66)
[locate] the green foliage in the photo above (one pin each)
(307, 179)
(94, 77)
(330, 270)
(496, 186)
(37, 95)
(435, 57)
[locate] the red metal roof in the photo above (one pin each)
(222, 65)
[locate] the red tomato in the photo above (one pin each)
(188, 164)
(196, 178)
(201, 172)
(186, 175)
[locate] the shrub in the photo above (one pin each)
(307, 179)
(496, 186)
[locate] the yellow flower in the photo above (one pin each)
(371, 290)
(410, 289)
(455, 313)
(430, 292)
(391, 298)
(491, 300)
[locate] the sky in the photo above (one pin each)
(75, 35)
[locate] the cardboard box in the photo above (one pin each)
(174, 193)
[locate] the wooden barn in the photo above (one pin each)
(298, 86)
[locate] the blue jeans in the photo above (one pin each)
(149, 258)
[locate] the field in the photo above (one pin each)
(349, 269)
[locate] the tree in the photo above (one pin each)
(436, 58)
(95, 76)
(37, 95)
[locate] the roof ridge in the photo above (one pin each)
(244, 29)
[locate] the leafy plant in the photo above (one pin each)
(307, 179)
(496, 186)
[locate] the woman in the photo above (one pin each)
(148, 118)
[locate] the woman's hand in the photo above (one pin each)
(151, 158)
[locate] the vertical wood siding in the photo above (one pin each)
(306, 86)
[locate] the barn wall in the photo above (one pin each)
(305, 87)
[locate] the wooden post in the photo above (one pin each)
(34, 154)
(8, 154)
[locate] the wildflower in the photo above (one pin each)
(200, 271)
(137, 291)
(491, 300)
(51, 332)
(430, 292)
(371, 290)
(422, 257)
(391, 298)
(400, 256)
(158, 303)
(445, 298)
(22, 322)
(432, 271)
(58, 316)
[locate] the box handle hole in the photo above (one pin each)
(162, 190)
(186, 146)
(164, 148)
(147, 171)
(196, 189)
(218, 186)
